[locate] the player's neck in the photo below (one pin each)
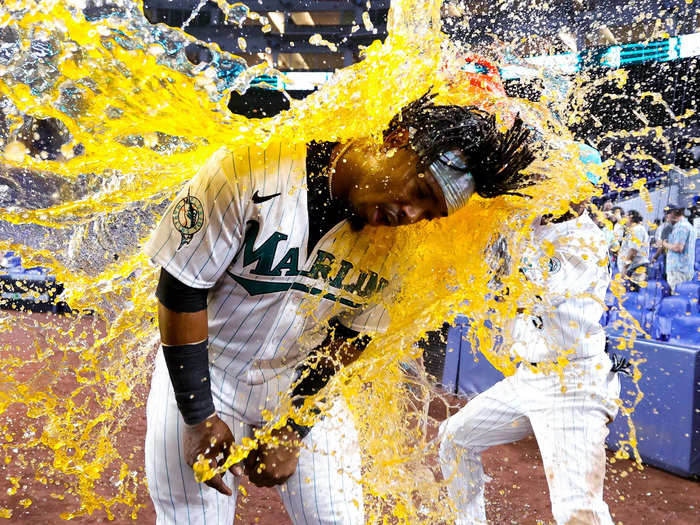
(340, 173)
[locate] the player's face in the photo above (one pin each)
(390, 188)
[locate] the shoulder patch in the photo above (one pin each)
(188, 218)
(554, 265)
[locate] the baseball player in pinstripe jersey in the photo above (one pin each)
(268, 260)
(567, 409)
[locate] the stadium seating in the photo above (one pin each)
(650, 296)
(645, 319)
(10, 261)
(691, 290)
(636, 304)
(655, 271)
(28, 289)
(685, 330)
(631, 301)
(665, 420)
(670, 307)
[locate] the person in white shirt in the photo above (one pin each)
(566, 407)
(616, 216)
(661, 234)
(680, 249)
(634, 251)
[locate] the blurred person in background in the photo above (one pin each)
(661, 234)
(616, 216)
(680, 249)
(599, 217)
(634, 250)
(664, 229)
(694, 216)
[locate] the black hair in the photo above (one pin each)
(675, 209)
(494, 159)
(615, 208)
(634, 216)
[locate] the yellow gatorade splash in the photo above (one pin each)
(138, 130)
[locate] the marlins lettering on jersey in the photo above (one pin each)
(366, 284)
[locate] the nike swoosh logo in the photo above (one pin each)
(257, 199)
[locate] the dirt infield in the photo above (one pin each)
(517, 495)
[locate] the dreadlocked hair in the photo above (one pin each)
(494, 159)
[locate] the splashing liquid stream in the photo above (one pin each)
(140, 122)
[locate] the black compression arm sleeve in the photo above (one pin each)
(188, 367)
(179, 297)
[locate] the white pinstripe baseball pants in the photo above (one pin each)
(570, 428)
(324, 490)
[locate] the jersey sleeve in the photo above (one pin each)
(372, 319)
(692, 237)
(200, 232)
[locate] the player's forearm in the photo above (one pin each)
(182, 319)
(317, 371)
(181, 328)
(341, 347)
(341, 352)
(184, 338)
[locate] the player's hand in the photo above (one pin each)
(212, 439)
(272, 464)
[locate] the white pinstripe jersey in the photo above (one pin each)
(240, 228)
(568, 264)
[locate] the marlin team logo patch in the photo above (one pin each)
(554, 265)
(188, 218)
